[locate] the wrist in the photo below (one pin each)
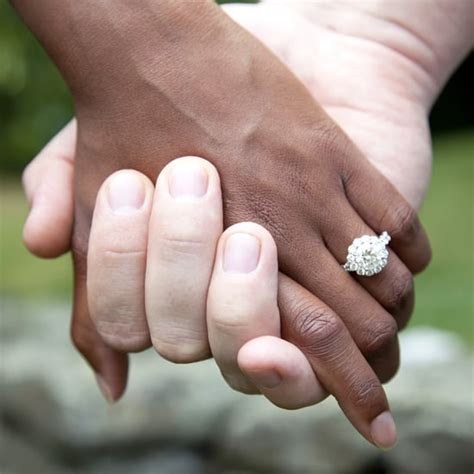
(97, 45)
(429, 38)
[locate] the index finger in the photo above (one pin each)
(321, 335)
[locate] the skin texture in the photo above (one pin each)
(404, 158)
(162, 249)
(190, 272)
(262, 168)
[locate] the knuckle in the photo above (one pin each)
(123, 337)
(112, 255)
(326, 134)
(428, 256)
(364, 393)
(390, 372)
(179, 245)
(403, 223)
(234, 313)
(231, 322)
(400, 291)
(316, 328)
(26, 176)
(386, 366)
(335, 144)
(182, 351)
(381, 339)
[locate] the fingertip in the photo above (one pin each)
(110, 367)
(123, 173)
(252, 228)
(267, 353)
(384, 431)
(190, 177)
(46, 235)
(255, 361)
(108, 391)
(113, 378)
(120, 182)
(281, 372)
(192, 161)
(247, 247)
(255, 354)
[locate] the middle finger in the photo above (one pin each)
(185, 224)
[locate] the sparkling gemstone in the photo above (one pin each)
(368, 255)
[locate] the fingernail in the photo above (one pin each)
(383, 431)
(105, 389)
(188, 180)
(241, 253)
(266, 378)
(125, 193)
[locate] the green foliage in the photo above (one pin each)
(445, 291)
(34, 101)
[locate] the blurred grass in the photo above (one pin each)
(33, 95)
(444, 291)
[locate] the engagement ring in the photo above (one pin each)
(367, 255)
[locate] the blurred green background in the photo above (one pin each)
(34, 104)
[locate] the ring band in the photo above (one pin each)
(368, 255)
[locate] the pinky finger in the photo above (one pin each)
(281, 372)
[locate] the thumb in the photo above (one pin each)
(48, 185)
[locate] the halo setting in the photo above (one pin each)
(367, 255)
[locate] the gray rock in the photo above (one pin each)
(184, 419)
(424, 345)
(18, 456)
(172, 461)
(269, 439)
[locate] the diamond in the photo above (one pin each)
(368, 255)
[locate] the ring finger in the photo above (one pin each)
(393, 286)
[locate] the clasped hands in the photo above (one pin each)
(152, 266)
